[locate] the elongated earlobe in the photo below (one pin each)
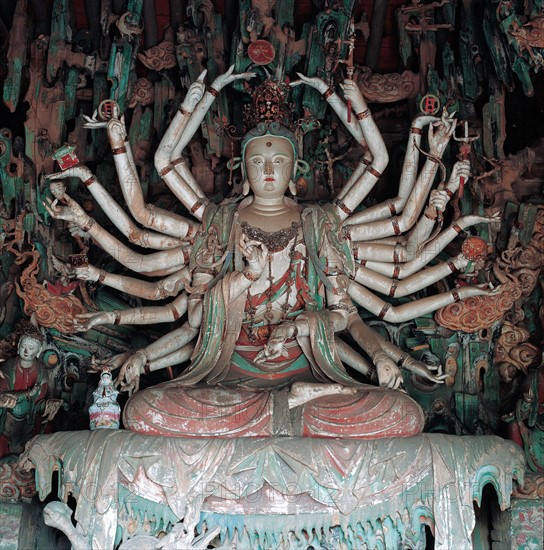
(245, 188)
(293, 187)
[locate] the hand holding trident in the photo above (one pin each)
(464, 152)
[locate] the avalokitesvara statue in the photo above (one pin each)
(272, 290)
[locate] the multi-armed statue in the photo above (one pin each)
(268, 284)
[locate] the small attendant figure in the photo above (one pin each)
(23, 396)
(105, 411)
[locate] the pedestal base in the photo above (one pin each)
(277, 492)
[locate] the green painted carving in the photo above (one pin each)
(327, 48)
(466, 44)
(70, 92)
(11, 181)
(60, 29)
(398, 484)
(16, 57)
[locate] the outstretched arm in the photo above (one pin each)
(406, 312)
(136, 235)
(430, 250)
(149, 264)
(167, 287)
(390, 286)
(134, 316)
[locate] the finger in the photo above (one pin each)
(84, 316)
(49, 210)
(230, 71)
(202, 75)
(295, 83)
(254, 243)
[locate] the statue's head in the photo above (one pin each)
(270, 161)
(30, 346)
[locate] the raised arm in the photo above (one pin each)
(407, 180)
(168, 160)
(146, 214)
(363, 128)
(438, 140)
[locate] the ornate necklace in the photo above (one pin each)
(274, 241)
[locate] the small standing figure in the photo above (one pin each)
(105, 411)
(24, 407)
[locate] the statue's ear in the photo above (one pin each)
(292, 188)
(245, 188)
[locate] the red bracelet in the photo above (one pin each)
(363, 114)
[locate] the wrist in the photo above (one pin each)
(87, 224)
(327, 93)
(431, 213)
(115, 317)
(251, 274)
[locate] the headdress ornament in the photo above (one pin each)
(269, 105)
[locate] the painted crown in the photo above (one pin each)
(268, 105)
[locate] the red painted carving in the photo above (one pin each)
(49, 309)
(261, 52)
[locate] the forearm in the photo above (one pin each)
(170, 286)
(409, 311)
(407, 178)
(399, 224)
(175, 358)
(413, 283)
(149, 315)
(171, 342)
(146, 214)
(136, 262)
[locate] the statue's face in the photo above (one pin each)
(269, 166)
(29, 348)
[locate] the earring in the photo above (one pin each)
(245, 188)
(293, 188)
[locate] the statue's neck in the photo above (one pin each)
(25, 363)
(269, 214)
(268, 207)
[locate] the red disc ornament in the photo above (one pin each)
(429, 104)
(108, 109)
(474, 249)
(261, 52)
